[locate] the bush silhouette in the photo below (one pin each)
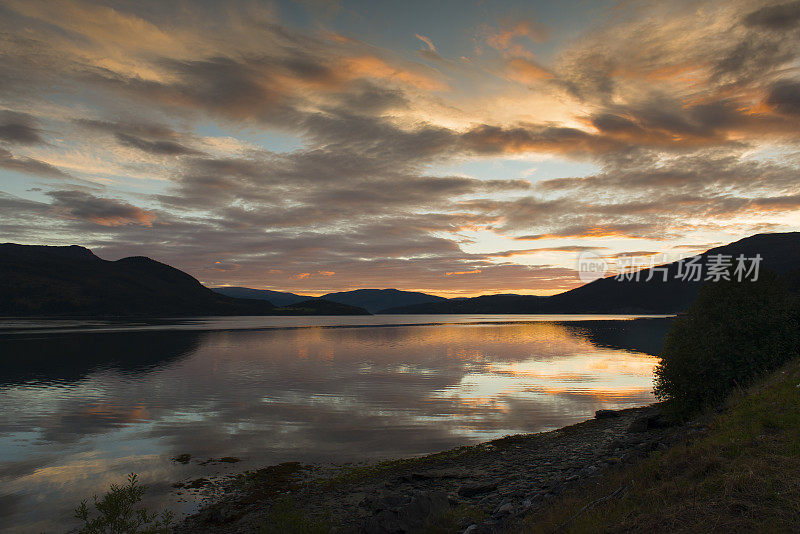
(734, 332)
(118, 512)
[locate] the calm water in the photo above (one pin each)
(82, 403)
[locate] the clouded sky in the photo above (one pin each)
(452, 147)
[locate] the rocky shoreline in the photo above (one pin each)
(481, 488)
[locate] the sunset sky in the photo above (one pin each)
(457, 148)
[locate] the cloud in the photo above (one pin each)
(19, 128)
(457, 273)
(98, 210)
(427, 41)
(784, 97)
(29, 165)
(523, 252)
(526, 71)
(230, 137)
(775, 17)
(506, 39)
(165, 148)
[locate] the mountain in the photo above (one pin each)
(38, 280)
(373, 300)
(278, 298)
(780, 253)
(376, 300)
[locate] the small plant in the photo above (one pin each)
(118, 512)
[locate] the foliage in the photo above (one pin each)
(733, 333)
(119, 514)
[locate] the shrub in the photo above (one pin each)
(118, 513)
(734, 332)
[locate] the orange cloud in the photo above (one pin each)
(427, 41)
(525, 71)
(136, 216)
(376, 67)
(451, 273)
(504, 39)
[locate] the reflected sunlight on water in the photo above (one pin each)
(80, 410)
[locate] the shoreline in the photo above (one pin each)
(476, 488)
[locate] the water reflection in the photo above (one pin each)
(81, 410)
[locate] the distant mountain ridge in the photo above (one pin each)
(372, 300)
(45, 280)
(39, 280)
(780, 253)
(375, 300)
(278, 298)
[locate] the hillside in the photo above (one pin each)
(37, 280)
(735, 471)
(780, 253)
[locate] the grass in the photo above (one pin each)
(741, 475)
(365, 472)
(285, 517)
(454, 519)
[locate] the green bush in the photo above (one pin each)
(118, 513)
(733, 333)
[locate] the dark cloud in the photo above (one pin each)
(489, 139)
(19, 128)
(133, 128)
(29, 165)
(165, 148)
(775, 17)
(616, 124)
(784, 97)
(98, 210)
(755, 55)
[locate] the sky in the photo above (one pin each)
(458, 148)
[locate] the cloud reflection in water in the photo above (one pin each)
(81, 410)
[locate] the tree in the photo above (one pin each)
(734, 332)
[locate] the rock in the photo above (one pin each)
(638, 425)
(504, 509)
(649, 422)
(606, 414)
(659, 421)
(410, 516)
(471, 490)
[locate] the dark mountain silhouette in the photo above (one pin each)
(278, 298)
(372, 300)
(780, 253)
(38, 280)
